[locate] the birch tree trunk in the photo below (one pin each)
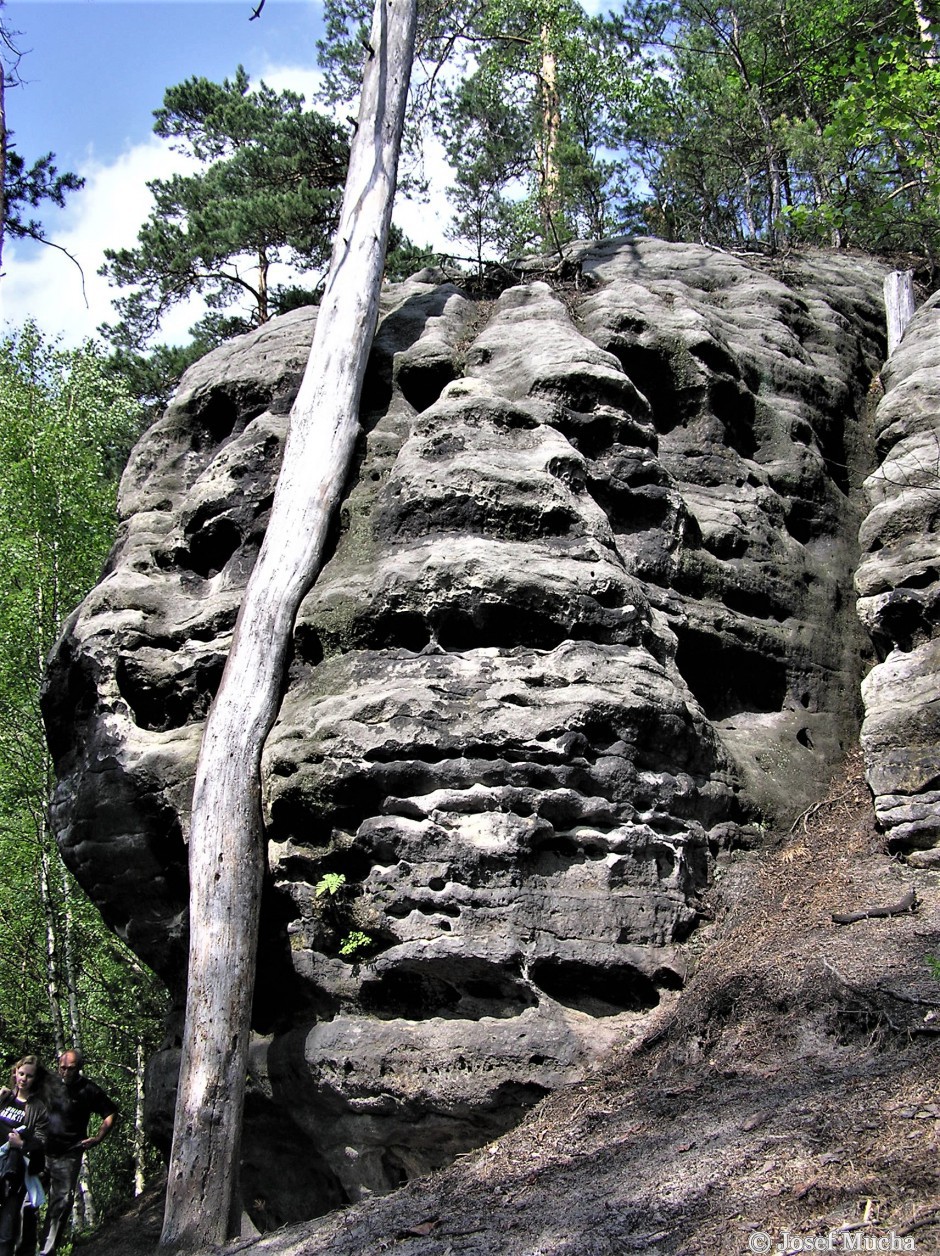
(927, 36)
(53, 994)
(84, 1210)
(551, 135)
(138, 1138)
(226, 840)
(68, 957)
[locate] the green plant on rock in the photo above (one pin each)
(330, 883)
(354, 943)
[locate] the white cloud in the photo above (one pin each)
(305, 80)
(426, 221)
(40, 282)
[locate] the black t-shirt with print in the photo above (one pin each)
(12, 1117)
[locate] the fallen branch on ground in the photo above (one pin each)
(907, 904)
(805, 816)
(926, 1218)
(869, 997)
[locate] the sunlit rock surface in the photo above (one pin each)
(899, 596)
(587, 623)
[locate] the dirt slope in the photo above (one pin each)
(790, 1090)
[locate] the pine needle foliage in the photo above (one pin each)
(264, 190)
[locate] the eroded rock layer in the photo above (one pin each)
(588, 619)
(899, 596)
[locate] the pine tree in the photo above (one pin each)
(24, 187)
(267, 192)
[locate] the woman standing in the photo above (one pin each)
(23, 1131)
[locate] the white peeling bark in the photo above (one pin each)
(899, 305)
(226, 840)
(551, 136)
(3, 165)
(927, 36)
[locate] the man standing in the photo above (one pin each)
(71, 1103)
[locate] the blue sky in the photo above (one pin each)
(94, 71)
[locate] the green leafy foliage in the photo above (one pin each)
(267, 191)
(330, 883)
(25, 186)
(152, 377)
(526, 96)
(351, 943)
(347, 30)
(354, 944)
(66, 425)
(788, 122)
(404, 258)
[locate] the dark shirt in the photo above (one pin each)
(12, 1117)
(70, 1109)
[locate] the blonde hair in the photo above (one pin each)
(40, 1072)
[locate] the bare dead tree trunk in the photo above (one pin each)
(264, 312)
(3, 162)
(899, 304)
(226, 839)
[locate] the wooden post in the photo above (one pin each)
(899, 305)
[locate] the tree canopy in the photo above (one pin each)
(529, 127)
(525, 95)
(65, 429)
(788, 121)
(742, 123)
(733, 122)
(267, 191)
(24, 187)
(736, 122)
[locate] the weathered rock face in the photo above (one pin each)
(589, 616)
(899, 595)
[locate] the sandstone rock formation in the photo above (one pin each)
(899, 595)
(588, 620)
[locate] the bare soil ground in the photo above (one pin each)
(789, 1090)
